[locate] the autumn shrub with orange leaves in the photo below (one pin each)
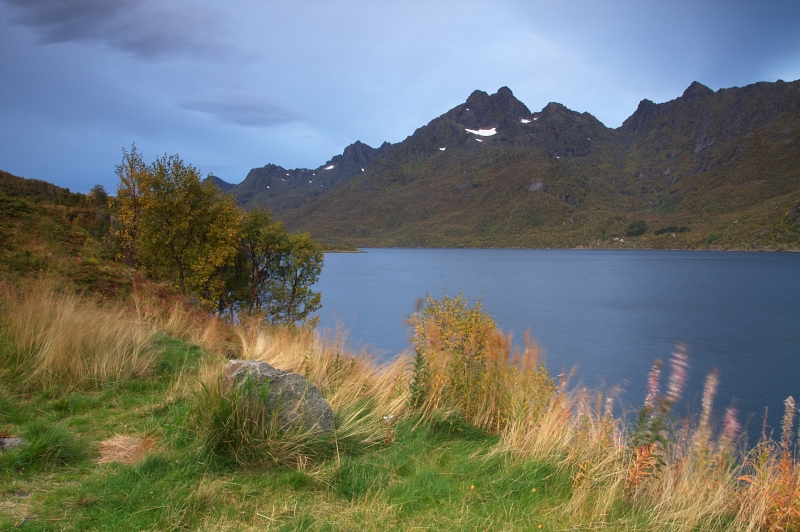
(464, 366)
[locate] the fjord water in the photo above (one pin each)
(611, 313)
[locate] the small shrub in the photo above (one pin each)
(671, 229)
(465, 366)
(636, 228)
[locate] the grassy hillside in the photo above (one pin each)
(47, 230)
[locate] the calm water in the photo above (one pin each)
(610, 312)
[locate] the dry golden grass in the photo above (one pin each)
(361, 394)
(675, 477)
(172, 316)
(59, 338)
(124, 449)
(343, 377)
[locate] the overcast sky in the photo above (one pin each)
(238, 84)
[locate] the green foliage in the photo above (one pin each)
(292, 299)
(48, 445)
(105, 279)
(98, 196)
(189, 230)
(636, 228)
(38, 191)
(25, 261)
(273, 272)
(419, 384)
(671, 229)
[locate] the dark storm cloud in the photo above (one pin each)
(252, 110)
(145, 29)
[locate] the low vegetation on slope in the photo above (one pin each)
(490, 173)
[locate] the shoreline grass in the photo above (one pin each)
(464, 434)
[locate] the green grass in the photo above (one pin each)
(431, 475)
(557, 465)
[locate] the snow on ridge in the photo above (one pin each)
(524, 120)
(331, 167)
(482, 132)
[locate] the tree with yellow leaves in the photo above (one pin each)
(127, 206)
(189, 230)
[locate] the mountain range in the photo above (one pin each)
(709, 169)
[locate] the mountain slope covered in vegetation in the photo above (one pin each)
(705, 170)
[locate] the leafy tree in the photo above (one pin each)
(189, 231)
(182, 229)
(98, 196)
(264, 244)
(292, 299)
(125, 224)
(273, 272)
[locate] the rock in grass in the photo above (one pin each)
(11, 443)
(295, 401)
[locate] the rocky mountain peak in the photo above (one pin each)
(355, 158)
(646, 112)
(482, 110)
(219, 183)
(554, 108)
(696, 91)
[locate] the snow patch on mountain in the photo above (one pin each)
(482, 132)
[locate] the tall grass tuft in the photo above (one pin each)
(173, 316)
(47, 444)
(771, 470)
(363, 396)
(58, 338)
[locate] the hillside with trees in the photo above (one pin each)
(166, 226)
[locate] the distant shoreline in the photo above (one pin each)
(736, 250)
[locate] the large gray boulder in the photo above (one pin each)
(295, 401)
